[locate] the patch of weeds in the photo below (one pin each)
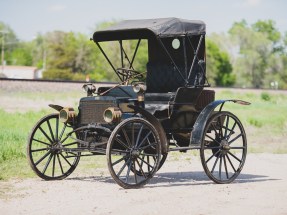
(255, 122)
(265, 96)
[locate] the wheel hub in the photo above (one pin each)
(135, 153)
(225, 146)
(56, 148)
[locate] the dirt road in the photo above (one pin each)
(180, 187)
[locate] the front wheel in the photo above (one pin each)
(133, 152)
(45, 149)
(223, 148)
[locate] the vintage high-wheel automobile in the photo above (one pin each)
(148, 114)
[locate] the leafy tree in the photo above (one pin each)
(21, 55)
(69, 52)
(10, 40)
(219, 68)
(254, 50)
(271, 32)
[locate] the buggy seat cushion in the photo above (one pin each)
(162, 78)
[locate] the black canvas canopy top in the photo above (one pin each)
(147, 28)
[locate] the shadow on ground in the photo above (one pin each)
(180, 179)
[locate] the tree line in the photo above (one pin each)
(248, 55)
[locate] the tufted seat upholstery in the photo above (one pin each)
(162, 78)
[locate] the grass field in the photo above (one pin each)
(265, 122)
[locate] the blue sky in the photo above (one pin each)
(29, 17)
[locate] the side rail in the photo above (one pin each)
(200, 123)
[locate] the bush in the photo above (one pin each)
(255, 122)
(265, 96)
(58, 74)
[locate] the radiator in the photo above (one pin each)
(91, 111)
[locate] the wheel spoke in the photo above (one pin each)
(226, 171)
(141, 170)
(141, 165)
(212, 138)
(63, 130)
(133, 134)
(238, 147)
(65, 139)
(149, 145)
(138, 137)
(146, 162)
(118, 161)
(52, 135)
(119, 173)
(226, 124)
(126, 137)
(53, 170)
(212, 156)
(231, 164)
(66, 159)
(47, 164)
(212, 124)
(231, 131)
(144, 139)
(69, 144)
(220, 165)
(234, 156)
(231, 141)
(215, 164)
(45, 134)
(39, 141)
(57, 128)
(128, 171)
(39, 150)
(220, 129)
(42, 158)
(60, 164)
(135, 175)
(121, 142)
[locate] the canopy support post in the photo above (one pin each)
(186, 81)
(122, 57)
(108, 60)
(195, 54)
(136, 50)
(185, 56)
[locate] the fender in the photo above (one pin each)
(56, 107)
(200, 123)
(156, 124)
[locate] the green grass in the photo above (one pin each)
(265, 123)
(15, 128)
(265, 120)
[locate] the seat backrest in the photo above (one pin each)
(205, 97)
(187, 95)
(162, 78)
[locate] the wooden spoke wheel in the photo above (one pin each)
(45, 149)
(223, 148)
(133, 153)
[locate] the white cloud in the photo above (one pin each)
(57, 7)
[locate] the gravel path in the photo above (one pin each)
(180, 187)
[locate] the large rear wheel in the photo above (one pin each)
(223, 148)
(45, 149)
(133, 153)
